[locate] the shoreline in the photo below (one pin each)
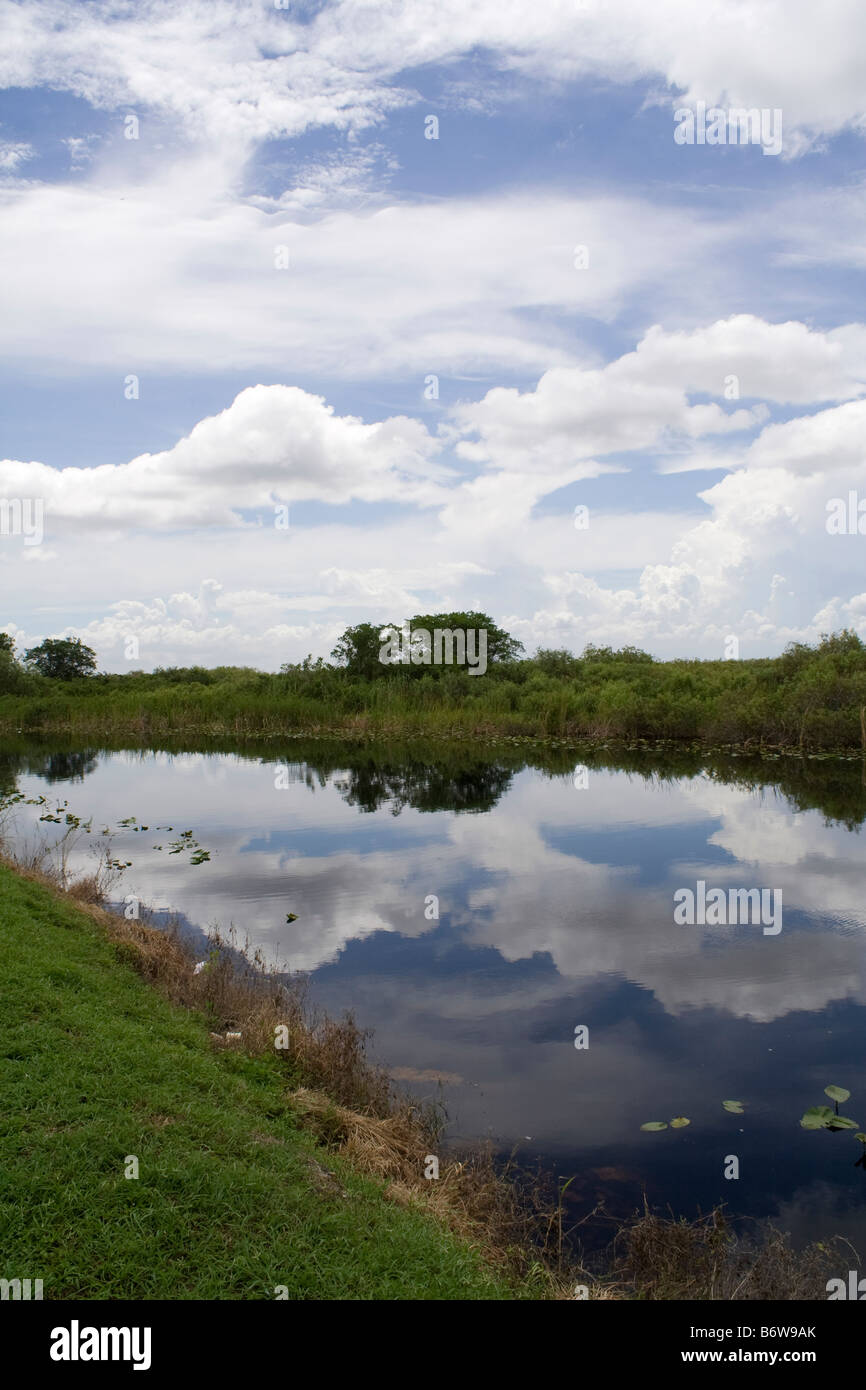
(144, 731)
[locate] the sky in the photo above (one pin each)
(320, 313)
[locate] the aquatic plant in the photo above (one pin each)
(822, 1117)
(679, 1122)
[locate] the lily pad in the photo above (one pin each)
(655, 1124)
(842, 1122)
(680, 1122)
(817, 1117)
(837, 1093)
(735, 1106)
(861, 1136)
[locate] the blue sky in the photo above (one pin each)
(698, 384)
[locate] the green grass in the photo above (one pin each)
(96, 1066)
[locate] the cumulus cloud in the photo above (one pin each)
(642, 398)
(685, 579)
(274, 444)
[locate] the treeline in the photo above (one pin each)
(809, 699)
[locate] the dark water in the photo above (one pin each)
(556, 909)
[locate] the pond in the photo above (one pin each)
(505, 921)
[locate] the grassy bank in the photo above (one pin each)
(807, 699)
(234, 1196)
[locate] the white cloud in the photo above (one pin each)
(643, 398)
(233, 72)
(273, 444)
(13, 153)
(171, 274)
(735, 569)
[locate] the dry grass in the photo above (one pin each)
(473, 1194)
(663, 1258)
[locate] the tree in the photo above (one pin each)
(556, 661)
(358, 650)
(501, 646)
(12, 677)
(593, 653)
(359, 647)
(62, 658)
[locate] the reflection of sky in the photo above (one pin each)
(555, 909)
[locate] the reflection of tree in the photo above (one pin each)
(834, 786)
(66, 766)
(427, 787)
(53, 764)
(439, 775)
(11, 764)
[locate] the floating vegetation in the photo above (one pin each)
(187, 841)
(679, 1122)
(734, 1106)
(822, 1117)
(61, 815)
(837, 1093)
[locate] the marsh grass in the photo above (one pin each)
(807, 699)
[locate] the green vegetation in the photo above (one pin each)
(231, 1200)
(810, 699)
(62, 658)
(822, 1117)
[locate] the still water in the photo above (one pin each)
(555, 900)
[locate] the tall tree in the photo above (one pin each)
(501, 646)
(62, 658)
(358, 650)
